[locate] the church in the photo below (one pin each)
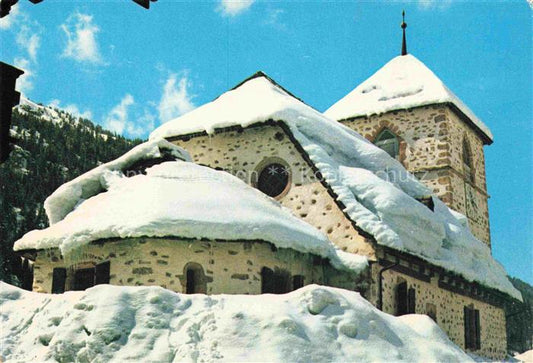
(257, 192)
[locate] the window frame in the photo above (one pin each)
(385, 138)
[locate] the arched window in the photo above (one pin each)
(273, 179)
(405, 299)
(467, 160)
(388, 141)
(195, 280)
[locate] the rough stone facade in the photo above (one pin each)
(448, 307)
(229, 267)
(431, 147)
(245, 152)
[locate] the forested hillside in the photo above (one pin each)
(520, 319)
(53, 147)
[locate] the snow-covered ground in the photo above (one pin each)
(526, 357)
(151, 324)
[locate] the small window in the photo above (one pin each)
(388, 141)
(273, 179)
(59, 278)
(467, 161)
(27, 275)
(472, 328)
(195, 280)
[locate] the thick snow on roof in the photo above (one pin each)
(150, 324)
(183, 199)
(70, 194)
(377, 191)
(403, 83)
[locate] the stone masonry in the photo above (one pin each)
(431, 147)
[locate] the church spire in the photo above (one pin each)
(404, 42)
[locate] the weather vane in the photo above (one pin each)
(404, 42)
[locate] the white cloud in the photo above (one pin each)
(72, 109)
(234, 7)
(176, 99)
(27, 34)
(81, 38)
(24, 82)
(117, 119)
(7, 21)
(273, 18)
(29, 40)
(434, 4)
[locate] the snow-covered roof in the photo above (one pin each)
(150, 324)
(378, 194)
(182, 199)
(63, 200)
(402, 83)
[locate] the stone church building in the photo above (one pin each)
(257, 192)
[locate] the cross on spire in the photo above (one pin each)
(404, 42)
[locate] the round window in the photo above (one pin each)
(273, 179)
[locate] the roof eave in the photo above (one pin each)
(487, 139)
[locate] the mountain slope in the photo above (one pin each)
(53, 147)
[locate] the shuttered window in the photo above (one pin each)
(472, 328)
(411, 301)
(401, 298)
(297, 282)
(405, 299)
(83, 278)
(102, 273)
(59, 277)
(278, 282)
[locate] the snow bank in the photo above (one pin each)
(402, 83)
(379, 194)
(120, 324)
(70, 194)
(525, 357)
(183, 199)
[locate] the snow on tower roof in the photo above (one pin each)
(374, 190)
(404, 82)
(182, 199)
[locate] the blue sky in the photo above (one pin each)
(130, 69)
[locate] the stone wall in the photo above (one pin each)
(229, 267)
(245, 152)
(449, 309)
(431, 147)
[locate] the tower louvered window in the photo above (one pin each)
(388, 142)
(467, 161)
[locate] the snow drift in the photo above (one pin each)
(134, 324)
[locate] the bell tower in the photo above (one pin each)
(406, 110)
